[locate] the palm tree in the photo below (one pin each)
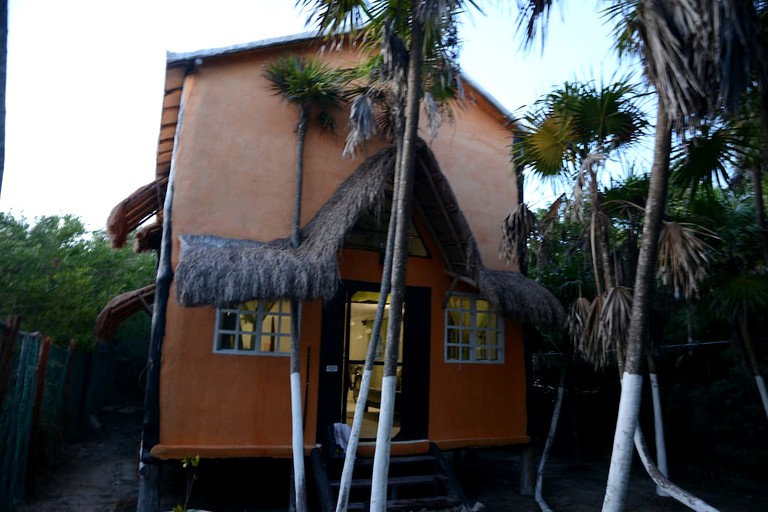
(680, 46)
(570, 132)
(307, 84)
(3, 73)
(424, 28)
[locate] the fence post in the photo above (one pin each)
(35, 435)
(7, 345)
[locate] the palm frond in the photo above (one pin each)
(615, 319)
(308, 83)
(740, 294)
(590, 345)
(362, 125)
(515, 230)
(577, 319)
(683, 259)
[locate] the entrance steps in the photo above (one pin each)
(416, 482)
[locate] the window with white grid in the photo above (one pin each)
(474, 332)
(257, 327)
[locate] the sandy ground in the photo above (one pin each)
(98, 474)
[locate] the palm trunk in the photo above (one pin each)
(632, 380)
(600, 231)
(399, 263)
(662, 482)
(297, 429)
(548, 445)
(746, 339)
(3, 75)
(370, 356)
(301, 133)
(658, 423)
(758, 171)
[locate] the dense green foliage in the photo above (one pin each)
(58, 277)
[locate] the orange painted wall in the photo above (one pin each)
(234, 177)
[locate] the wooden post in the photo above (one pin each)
(7, 345)
(35, 435)
(40, 372)
(527, 471)
(149, 467)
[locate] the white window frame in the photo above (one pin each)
(473, 329)
(283, 338)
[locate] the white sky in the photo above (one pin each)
(85, 83)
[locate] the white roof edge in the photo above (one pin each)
(488, 97)
(176, 57)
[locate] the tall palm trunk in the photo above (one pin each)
(370, 356)
(759, 170)
(658, 422)
(406, 166)
(548, 443)
(632, 380)
(746, 339)
(297, 428)
(599, 232)
(3, 75)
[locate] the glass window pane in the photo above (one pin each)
(228, 321)
(245, 342)
(226, 342)
(248, 322)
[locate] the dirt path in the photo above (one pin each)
(97, 474)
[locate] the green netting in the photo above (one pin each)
(16, 422)
(51, 428)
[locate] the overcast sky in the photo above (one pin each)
(85, 83)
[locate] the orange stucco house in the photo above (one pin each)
(223, 198)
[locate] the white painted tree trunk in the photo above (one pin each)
(406, 166)
(383, 444)
(370, 356)
(299, 480)
(548, 445)
(297, 429)
(763, 393)
(658, 430)
(621, 460)
(661, 481)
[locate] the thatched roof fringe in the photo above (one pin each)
(121, 307)
(148, 237)
(132, 211)
(217, 271)
(520, 298)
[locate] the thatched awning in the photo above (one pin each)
(218, 271)
(134, 210)
(120, 308)
(148, 238)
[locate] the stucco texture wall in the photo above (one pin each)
(234, 176)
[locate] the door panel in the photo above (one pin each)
(347, 322)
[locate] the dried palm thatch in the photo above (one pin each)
(591, 344)
(683, 259)
(120, 308)
(616, 314)
(577, 319)
(218, 271)
(148, 238)
(132, 211)
(515, 231)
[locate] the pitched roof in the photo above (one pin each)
(134, 210)
(219, 271)
(121, 307)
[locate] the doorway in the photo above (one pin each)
(347, 328)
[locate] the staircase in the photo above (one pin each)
(416, 482)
